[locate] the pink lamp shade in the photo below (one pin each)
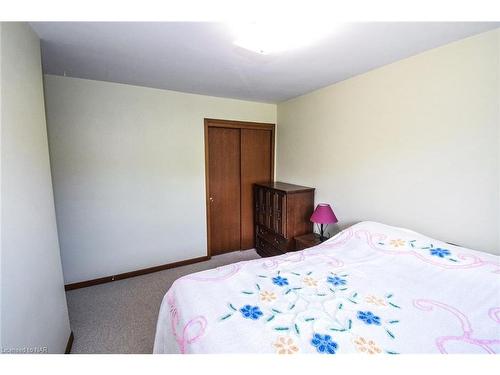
(323, 214)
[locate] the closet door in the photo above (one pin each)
(256, 166)
(224, 189)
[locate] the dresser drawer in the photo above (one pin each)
(274, 239)
(265, 249)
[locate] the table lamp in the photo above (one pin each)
(323, 215)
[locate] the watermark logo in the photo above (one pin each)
(26, 350)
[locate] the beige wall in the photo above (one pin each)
(1, 28)
(33, 302)
(412, 144)
(128, 168)
(498, 131)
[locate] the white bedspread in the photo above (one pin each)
(370, 289)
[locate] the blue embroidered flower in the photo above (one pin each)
(335, 280)
(438, 252)
(368, 317)
(324, 344)
(280, 281)
(251, 312)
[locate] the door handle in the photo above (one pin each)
(210, 199)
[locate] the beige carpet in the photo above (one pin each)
(120, 317)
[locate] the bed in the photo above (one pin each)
(370, 289)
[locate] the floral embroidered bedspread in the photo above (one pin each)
(370, 289)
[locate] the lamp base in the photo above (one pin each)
(322, 236)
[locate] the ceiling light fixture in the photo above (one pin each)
(267, 37)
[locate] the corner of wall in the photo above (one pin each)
(31, 278)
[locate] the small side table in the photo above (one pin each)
(306, 240)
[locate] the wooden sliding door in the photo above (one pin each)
(224, 193)
(256, 166)
(238, 154)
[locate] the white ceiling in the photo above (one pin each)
(201, 57)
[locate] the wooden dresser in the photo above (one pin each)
(282, 212)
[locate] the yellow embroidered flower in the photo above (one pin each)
(267, 296)
(375, 300)
(397, 243)
(309, 281)
(366, 346)
(285, 345)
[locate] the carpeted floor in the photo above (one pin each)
(120, 316)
